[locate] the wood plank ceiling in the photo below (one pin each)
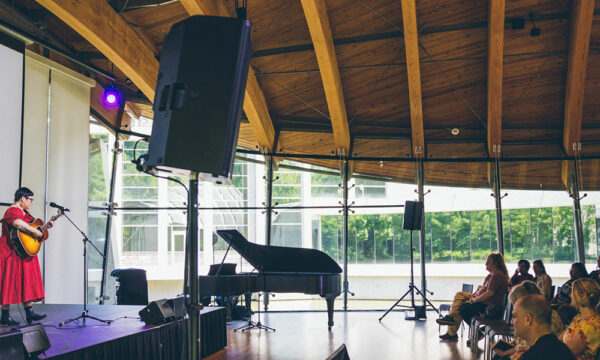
(381, 77)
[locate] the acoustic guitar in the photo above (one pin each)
(26, 245)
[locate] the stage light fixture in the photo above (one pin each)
(535, 31)
(111, 95)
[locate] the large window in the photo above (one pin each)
(460, 223)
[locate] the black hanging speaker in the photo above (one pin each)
(158, 312)
(199, 96)
(413, 215)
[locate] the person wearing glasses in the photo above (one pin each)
(20, 278)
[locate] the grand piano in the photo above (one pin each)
(280, 270)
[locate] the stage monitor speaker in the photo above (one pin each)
(340, 353)
(35, 339)
(178, 306)
(199, 95)
(11, 345)
(157, 312)
(413, 215)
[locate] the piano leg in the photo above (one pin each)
(330, 299)
(248, 303)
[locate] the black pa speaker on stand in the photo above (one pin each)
(413, 220)
(413, 215)
(199, 96)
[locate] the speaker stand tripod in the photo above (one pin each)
(255, 325)
(419, 311)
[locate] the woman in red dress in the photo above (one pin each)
(20, 279)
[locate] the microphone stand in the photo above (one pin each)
(84, 315)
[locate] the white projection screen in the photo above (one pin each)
(11, 118)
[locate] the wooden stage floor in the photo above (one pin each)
(304, 335)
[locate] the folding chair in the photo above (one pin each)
(491, 331)
(478, 321)
(446, 307)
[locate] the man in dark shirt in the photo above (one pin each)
(521, 274)
(532, 318)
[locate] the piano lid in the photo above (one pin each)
(280, 259)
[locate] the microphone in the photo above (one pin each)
(61, 208)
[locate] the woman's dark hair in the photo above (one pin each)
(22, 192)
(540, 264)
(523, 261)
(580, 269)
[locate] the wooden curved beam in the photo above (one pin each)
(255, 105)
(413, 70)
(579, 45)
(494, 78)
(99, 24)
(317, 19)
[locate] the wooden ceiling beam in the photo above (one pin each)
(496, 14)
(99, 24)
(315, 13)
(413, 68)
(579, 44)
(255, 105)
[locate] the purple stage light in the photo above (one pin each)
(111, 95)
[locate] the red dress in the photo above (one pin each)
(20, 279)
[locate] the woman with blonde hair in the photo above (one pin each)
(583, 334)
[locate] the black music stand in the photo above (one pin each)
(84, 315)
(255, 325)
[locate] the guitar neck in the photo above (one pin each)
(47, 224)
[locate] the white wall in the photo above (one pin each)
(65, 120)
(11, 96)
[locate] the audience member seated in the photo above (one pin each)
(521, 274)
(596, 273)
(523, 289)
(467, 305)
(583, 334)
(532, 318)
(563, 297)
(567, 313)
(542, 279)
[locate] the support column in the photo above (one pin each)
(344, 173)
(269, 212)
(109, 214)
(193, 304)
(573, 188)
(495, 177)
(421, 192)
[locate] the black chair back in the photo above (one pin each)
(132, 286)
(552, 293)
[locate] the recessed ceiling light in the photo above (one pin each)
(455, 131)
